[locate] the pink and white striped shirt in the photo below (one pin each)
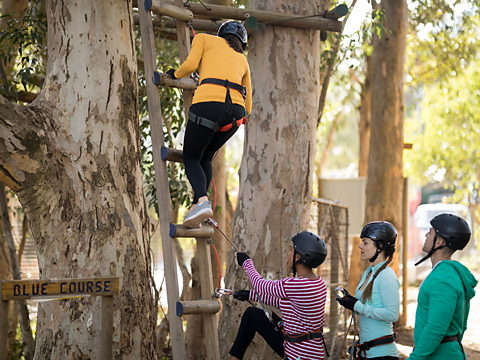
(302, 302)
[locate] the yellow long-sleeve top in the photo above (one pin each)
(214, 58)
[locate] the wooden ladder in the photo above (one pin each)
(208, 306)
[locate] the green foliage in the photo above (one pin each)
(444, 43)
(442, 98)
(446, 132)
(25, 39)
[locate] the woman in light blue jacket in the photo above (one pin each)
(377, 299)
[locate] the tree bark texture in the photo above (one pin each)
(73, 158)
(27, 336)
(365, 118)
(6, 274)
(385, 167)
(276, 173)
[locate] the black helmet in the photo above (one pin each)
(382, 232)
(233, 28)
(453, 229)
(311, 247)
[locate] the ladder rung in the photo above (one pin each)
(186, 83)
(171, 154)
(198, 307)
(177, 230)
(162, 8)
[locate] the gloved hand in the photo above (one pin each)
(171, 72)
(241, 258)
(348, 301)
(242, 295)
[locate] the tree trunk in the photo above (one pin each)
(276, 173)
(365, 118)
(27, 335)
(385, 167)
(73, 158)
(6, 274)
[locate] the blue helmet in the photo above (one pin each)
(233, 28)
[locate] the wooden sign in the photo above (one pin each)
(27, 289)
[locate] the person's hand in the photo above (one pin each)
(171, 72)
(348, 301)
(242, 295)
(241, 258)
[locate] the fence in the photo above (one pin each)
(329, 219)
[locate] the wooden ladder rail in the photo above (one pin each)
(205, 306)
(161, 182)
(208, 307)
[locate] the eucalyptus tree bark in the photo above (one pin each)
(276, 173)
(385, 167)
(365, 118)
(73, 158)
(6, 274)
(27, 336)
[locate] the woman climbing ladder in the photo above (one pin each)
(220, 105)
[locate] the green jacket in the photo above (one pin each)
(442, 310)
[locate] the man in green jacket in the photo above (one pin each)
(444, 297)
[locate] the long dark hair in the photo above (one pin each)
(234, 43)
(367, 293)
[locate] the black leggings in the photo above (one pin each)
(254, 320)
(201, 143)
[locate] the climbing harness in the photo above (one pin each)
(199, 120)
(364, 347)
(292, 338)
(454, 338)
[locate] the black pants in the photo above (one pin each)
(201, 143)
(254, 320)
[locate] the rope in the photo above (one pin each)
(186, 4)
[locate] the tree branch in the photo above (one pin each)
(331, 66)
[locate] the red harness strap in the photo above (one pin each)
(241, 121)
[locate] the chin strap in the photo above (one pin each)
(294, 268)
(379, 250)
(430, 253)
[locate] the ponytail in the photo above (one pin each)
(234, 43)
(367, 293)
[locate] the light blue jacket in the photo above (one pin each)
(376, 316)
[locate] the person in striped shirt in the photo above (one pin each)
(300, 298)
(377, 299)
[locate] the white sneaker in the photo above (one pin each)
(199, 214)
